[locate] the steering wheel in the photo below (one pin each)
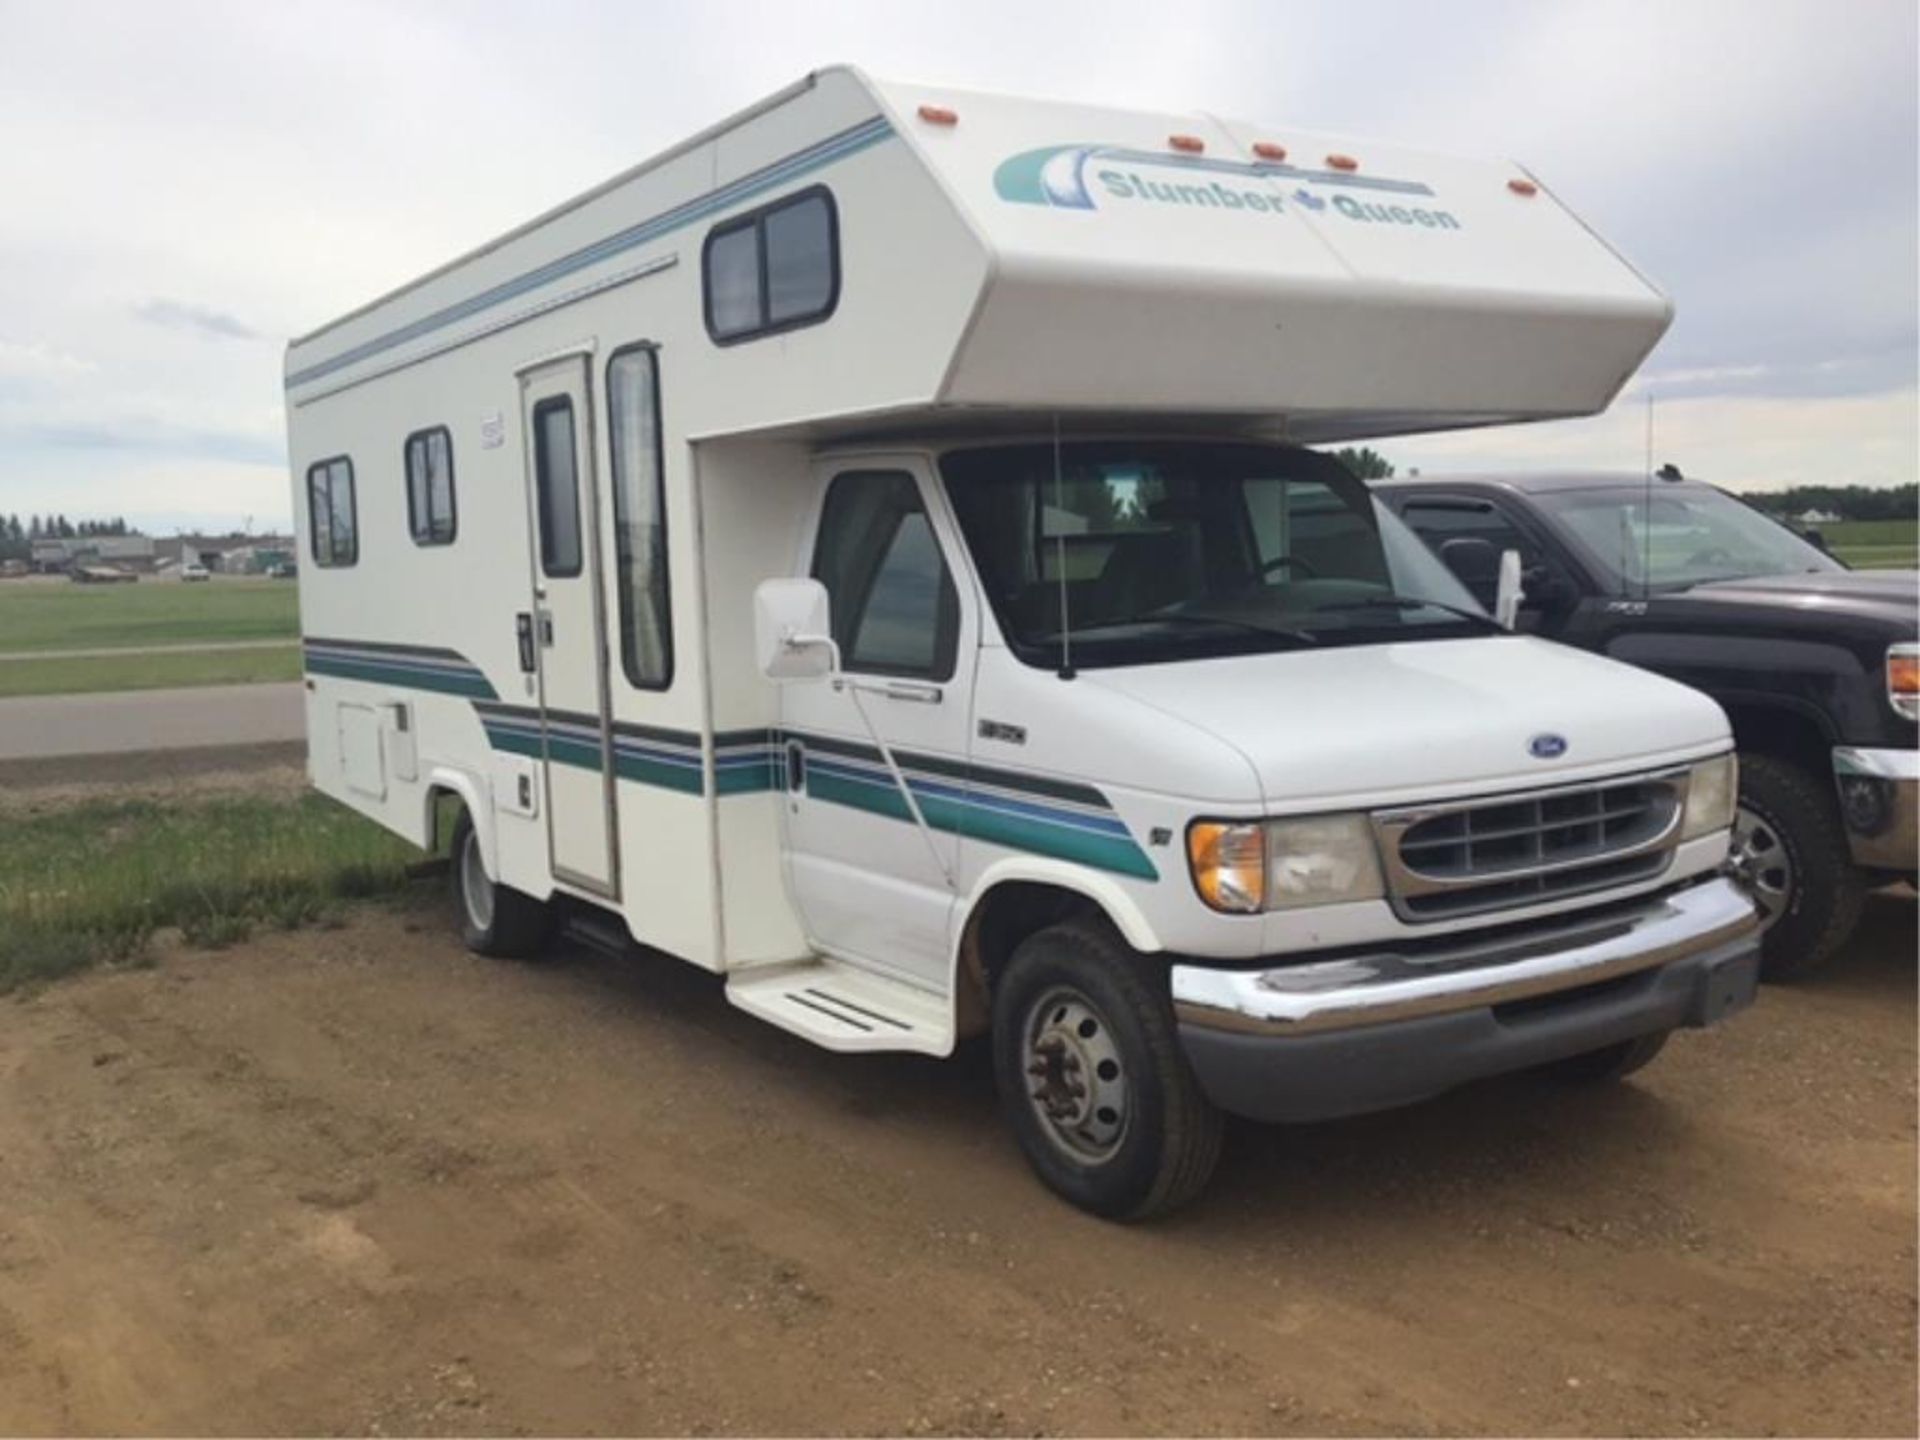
(1279, 561)
(1710, 555)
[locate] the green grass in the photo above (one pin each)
(136, 671)
(1875, 544)
(91, 883)
(59, 615)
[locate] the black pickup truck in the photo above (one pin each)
(1815, 664)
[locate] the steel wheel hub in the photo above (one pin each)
(1075, 1081)
(475, 889)
(1762, 864)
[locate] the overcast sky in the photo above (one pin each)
(183, 186)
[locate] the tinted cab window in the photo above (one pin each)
(895, 609)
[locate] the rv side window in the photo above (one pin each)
(773, 270)
(640, 516)
(556, 482)
(895, 610)
(430, 486)
(332, 524)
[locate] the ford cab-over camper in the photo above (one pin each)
(870, 552)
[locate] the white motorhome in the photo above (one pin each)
(1084, 707)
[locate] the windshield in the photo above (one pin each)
(1174, 551)
(1690, 535)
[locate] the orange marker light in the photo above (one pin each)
(1267, 150)
(1342, 162)
(1523, 187)
(938, 115)
(1191, 144)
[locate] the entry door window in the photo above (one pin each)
(557, 487)
(895, 609)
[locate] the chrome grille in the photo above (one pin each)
(1470, 856)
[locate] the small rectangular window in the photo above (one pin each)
(895, 609)
(640, 516)
(430, 486)
(332, 521)
(557, 486)
(775, 269)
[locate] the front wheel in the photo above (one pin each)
(1092, 1079)
(1790, 851)
(495, 919)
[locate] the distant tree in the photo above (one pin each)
(1849, 502)
(1364, 462)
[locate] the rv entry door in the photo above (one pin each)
(570, 624)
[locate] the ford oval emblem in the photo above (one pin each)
(1547, 747)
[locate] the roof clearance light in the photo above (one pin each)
(1267, 150)
(1191, 144)
(938, 115)
(1342, 162)
(1522, 187)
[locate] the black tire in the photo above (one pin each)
(1791, 850)
(494, 919)
(1167, 1133)
(1609, 1062)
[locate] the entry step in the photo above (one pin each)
(840, 1007)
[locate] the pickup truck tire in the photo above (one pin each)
(1609, 1062)
(1789, 815)
(495, 919)
(1092, 1079)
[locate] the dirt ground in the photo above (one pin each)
(358, 1180)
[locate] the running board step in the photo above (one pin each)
(839, 1007)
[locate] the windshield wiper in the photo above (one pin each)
(1407, 602)
(1203, 617)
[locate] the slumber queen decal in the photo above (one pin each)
(1108, 177)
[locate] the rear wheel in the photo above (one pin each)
(1092, 1079)
(495, 919)
(1609, 1062)
(1790, 851)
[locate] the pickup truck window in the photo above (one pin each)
(1695, 534)
(895, 609)
(1169, 550)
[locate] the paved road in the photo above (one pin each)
(37, 726)
(105, 651)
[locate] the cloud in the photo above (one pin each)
(221, 446)
(37, 360)
(201, 319)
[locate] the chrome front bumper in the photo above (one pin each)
(1879, 797)
(1363, 1032)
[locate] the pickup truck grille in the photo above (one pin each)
(1467, 857)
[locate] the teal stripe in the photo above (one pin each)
(747, 779)
(1103, 852)
(471, 684)
(684, 778)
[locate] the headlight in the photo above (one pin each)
(1903, 679)
(1319, 860)
(1711, 791)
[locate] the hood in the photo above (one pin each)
(1369, 725)
(1892, 596)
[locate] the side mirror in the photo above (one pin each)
(1817, 540)
(1506, 595)
(1476, 565)
(793, 631)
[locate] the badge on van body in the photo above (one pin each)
(1547, 747)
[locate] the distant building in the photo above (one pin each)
(1816, 517)
(127, 552)
(234, 554)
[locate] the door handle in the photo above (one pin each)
(546, 630)
(796, 766)
(909, 690)
(523, 633)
